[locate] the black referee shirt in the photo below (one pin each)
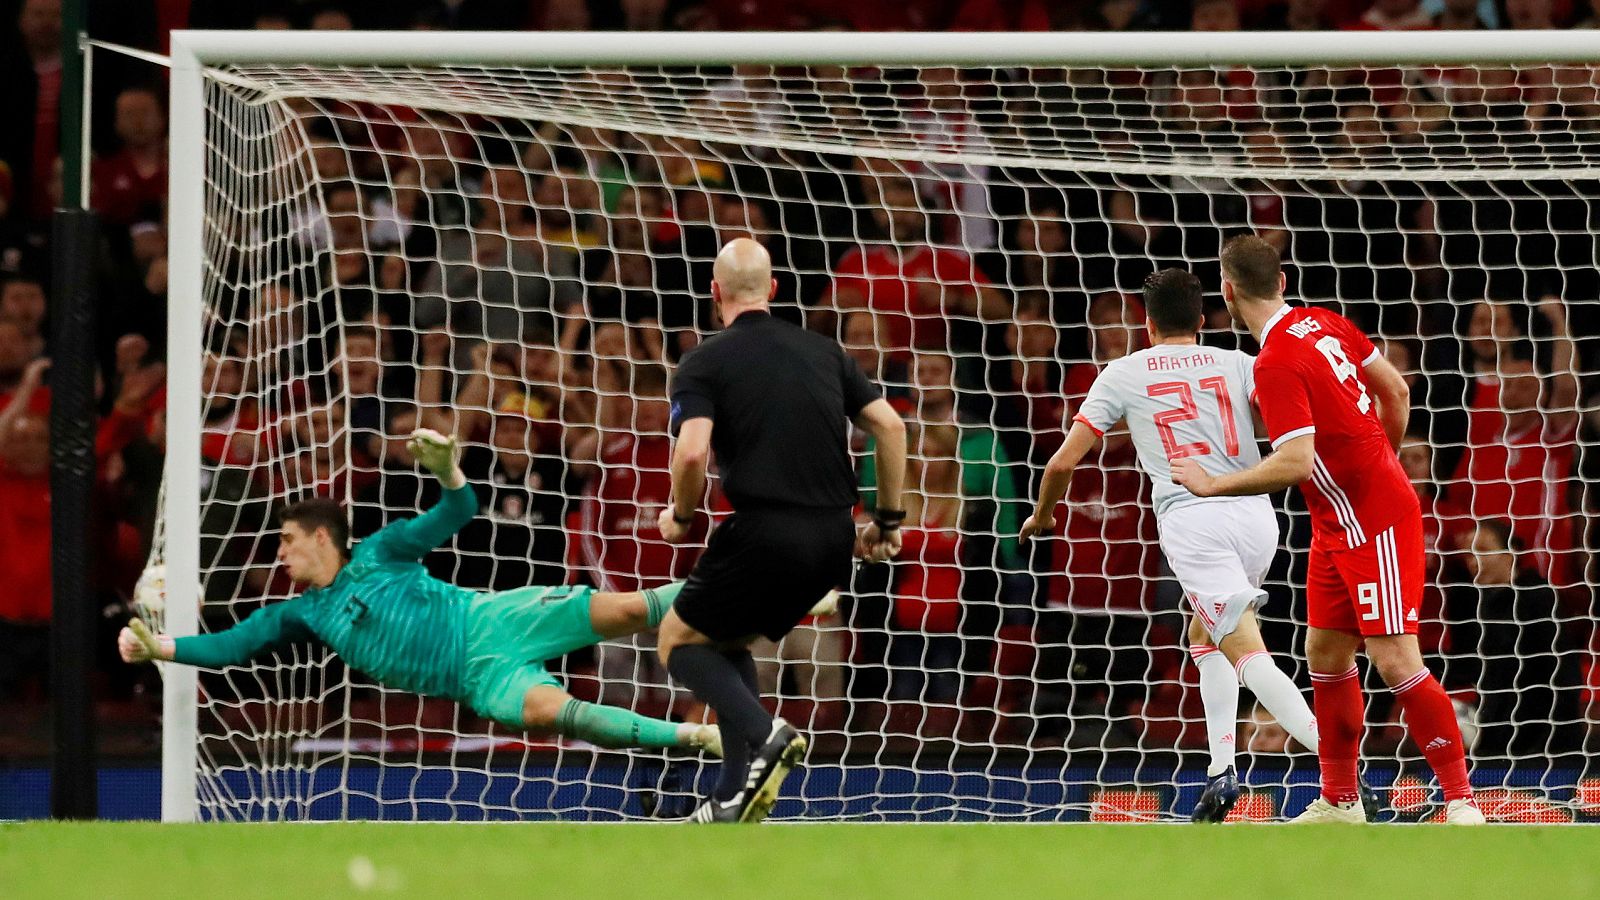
(779, 397)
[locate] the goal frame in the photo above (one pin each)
(194, 51)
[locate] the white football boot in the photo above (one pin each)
(1321, 812)
(1463, 811)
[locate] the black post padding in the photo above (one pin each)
(73, 792)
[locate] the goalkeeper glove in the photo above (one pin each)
(137, 644)
(438, 454)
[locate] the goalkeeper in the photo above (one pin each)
(380, 610)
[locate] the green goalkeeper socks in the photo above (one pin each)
(659, 600)
(608, 726)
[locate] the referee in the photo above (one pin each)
(772, 400)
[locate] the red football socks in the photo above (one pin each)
(1336, 699)
(1431, 721)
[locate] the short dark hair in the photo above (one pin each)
(1173, 301)
(1252, 265)
(320, 512)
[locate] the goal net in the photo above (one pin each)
(520, 254)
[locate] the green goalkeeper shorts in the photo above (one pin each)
(512, 634)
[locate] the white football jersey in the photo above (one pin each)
(1179, 400)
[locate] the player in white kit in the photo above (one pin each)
(1181, 400)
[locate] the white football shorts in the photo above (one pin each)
(1220, 549)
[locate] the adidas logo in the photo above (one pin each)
(1218, 608)
(1411, 616)
(1435, 744)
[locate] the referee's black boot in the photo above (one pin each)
(1217, 800)
(780, 754)
(714, 810)
(1371, 803)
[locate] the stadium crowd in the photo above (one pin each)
(531, 292)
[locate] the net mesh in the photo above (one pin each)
(519, 255)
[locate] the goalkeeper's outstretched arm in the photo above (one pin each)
(266, 628)
(411, 539)
(1057, 478)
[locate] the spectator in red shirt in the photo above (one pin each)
(927, 585)
(25, 510)
(1519, 463)
(231, 434)
(622, 546)
(131, 185)
(918, 288)
(620, 540)
(24, 531)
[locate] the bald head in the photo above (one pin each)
(742, 275)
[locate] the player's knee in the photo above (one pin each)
(614, 615)
(1395, 658)
(1330, 651)
(541, 707)
(670, 635)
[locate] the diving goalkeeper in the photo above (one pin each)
(380, 610)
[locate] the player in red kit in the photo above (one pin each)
(1335, 411)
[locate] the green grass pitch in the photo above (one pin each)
(817, 862)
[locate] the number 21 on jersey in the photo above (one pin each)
(1187, 411)
(1344, 368)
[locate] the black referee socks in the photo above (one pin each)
(718, 680)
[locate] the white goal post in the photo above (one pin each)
(666, 91)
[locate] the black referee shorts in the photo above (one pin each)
(764, 569)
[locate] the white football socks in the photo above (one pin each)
(1219, 691)
(1277, 693)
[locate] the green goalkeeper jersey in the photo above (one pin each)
(384, 614)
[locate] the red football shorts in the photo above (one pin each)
(1373, 589)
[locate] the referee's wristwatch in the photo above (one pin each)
(888, 519)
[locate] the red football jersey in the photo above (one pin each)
(1520, 475)
(622, 541)
(888, 277)
(1309, 380)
